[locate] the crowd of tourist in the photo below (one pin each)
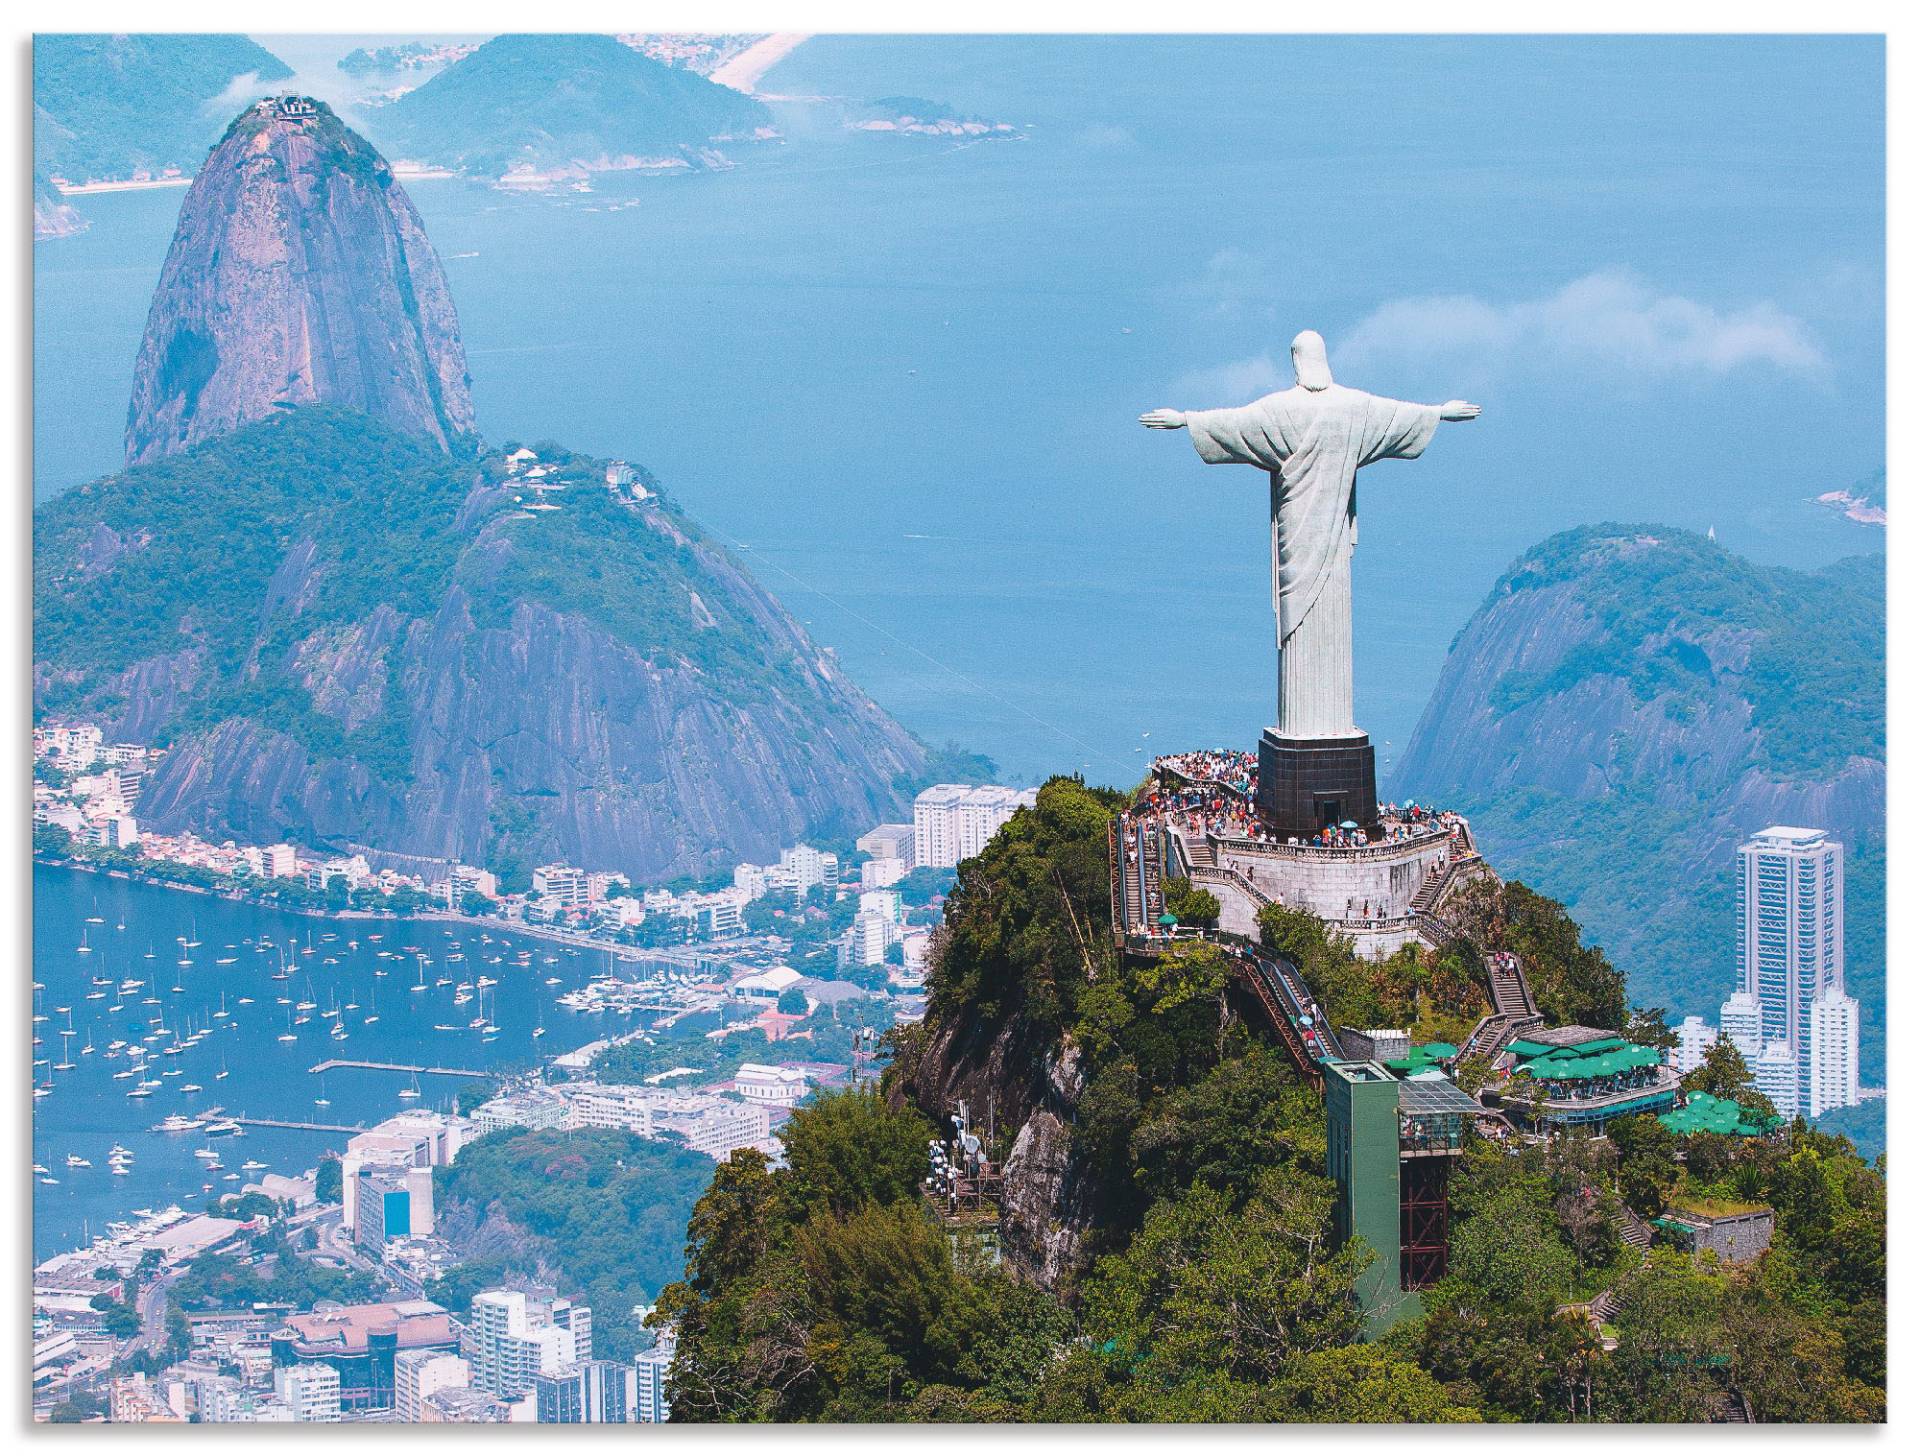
(1234, 768)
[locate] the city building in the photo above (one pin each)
(417, 1138)
(465, 1406)
(651, 1368)
(1776, 1076)
(707, 1124)
(588, 1392)
(524, 1107)
(773, 1086)
(361, 1342)
(1695, 1036)
(1790, 922)
(888, 841)
(418, 1375)
(311, 1390)
(876, 874)
(952, 822)
(390, 1203)
(562, 882)
(803, 868)
(1833, 1053)
(514, 1339)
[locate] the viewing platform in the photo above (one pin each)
(1382, 887)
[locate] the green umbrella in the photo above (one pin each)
(1169, 919)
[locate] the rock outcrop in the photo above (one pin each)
(1033, 1091)
(1630, 703)
(53, 215)
(299, 273)
(407, 662)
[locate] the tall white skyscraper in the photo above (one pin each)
(1791, 960)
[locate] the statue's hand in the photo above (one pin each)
(1459, 409)
(1163, 419)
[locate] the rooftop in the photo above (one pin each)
(346, 1329)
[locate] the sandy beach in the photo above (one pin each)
(82, 189)
(744, 71)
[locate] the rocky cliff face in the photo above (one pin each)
(53, 215)
(1047, 1207)
(349, 638)
(1629, 704)
(299, 273)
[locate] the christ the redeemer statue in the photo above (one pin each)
(1312, 439)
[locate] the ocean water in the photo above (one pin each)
(901, 374)
(88, 1110)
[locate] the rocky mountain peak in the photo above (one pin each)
(299, 273)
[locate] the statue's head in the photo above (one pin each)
(1310, 368)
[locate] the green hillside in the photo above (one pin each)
(106, 106)
(547, 101)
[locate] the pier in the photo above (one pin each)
(297, 1126)
(333, 1063)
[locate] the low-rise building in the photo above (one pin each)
(361, 1341)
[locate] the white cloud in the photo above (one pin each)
(1609, 319)
(1237, 285)
(240, 90)
(1237, 383)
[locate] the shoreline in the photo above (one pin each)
(88, 189)
(744, 72)
(451, 917)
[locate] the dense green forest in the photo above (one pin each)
(106, 106)
(602, 1208)
(1210, 1287)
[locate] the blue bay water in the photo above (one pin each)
(901, 375)
(88, 1110)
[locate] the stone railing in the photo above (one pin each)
(1331, 854)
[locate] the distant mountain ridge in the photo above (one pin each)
(108, 106)
(1628, 704)
(299, 272)
(547, 102)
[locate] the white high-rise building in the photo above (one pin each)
(311, 1390)
(652, 1367)
(1695, 1037)
(1776, 1075)
(952, 822)
(1791, 927)
(515, 1339)
(1740, 1023)
(419, 1375)
(1833, 1053)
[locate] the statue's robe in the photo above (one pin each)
(1311, 442)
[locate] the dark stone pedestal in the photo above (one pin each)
(1307, 784)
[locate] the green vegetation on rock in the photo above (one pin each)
(599, 1212)
(548, 101)
(106, 106)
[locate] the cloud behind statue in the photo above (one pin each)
(1613, 321)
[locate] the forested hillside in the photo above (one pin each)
(1165, 1238)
